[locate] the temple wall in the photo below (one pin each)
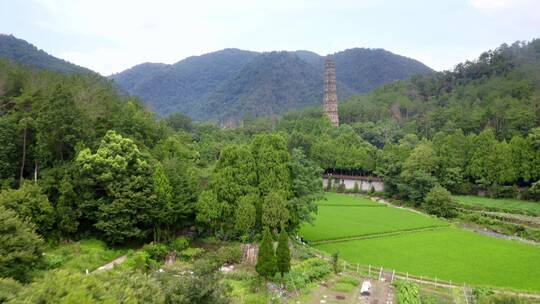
(363, 184)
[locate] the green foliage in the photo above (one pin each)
(407, 292)
(266, 259)
(272, 164)
(30, 204)
(121, 211)
(274, 211)
(231, 254)
(179, 244)
(283, 253)
(307, 271)
(246, 214)
(20, 246)
(191, 253)
(345, 284)
(439, 202)
(197, 288)
(179, 121)
(9, 289)
(105, 287)
(156, 251)
(306, 188)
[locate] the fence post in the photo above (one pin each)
(344, 266)
(421, 278)
(465, 294)
(380, 274)
(407, 275)
(393, 273)
(369, 271)
(435, 280)
(357, 267)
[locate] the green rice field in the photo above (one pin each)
(334, 222)
(447, 253)
(500, 203)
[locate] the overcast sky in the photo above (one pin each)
(109, 36)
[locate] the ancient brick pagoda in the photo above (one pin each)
(330, 91)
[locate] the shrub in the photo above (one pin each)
(20, 246)
(356, 189)
(139, 260)
(179, 244)
(156, 251)
(307, 271)
(439, 202)
(407, 292)
(190, 254)
(230, 254)
(8, 289)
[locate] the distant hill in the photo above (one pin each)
(20, 51)
(232, 83)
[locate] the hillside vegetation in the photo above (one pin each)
(233, 84)
(20, 51)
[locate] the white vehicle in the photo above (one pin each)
(366, 286)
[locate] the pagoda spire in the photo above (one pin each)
(330, 91)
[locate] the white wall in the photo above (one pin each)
(363, 185)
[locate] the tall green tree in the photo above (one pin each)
(272, 164)
(162, 209)
(20, 247)
(119, 189)
(245, 215)
(30, 204)
(266, 265)
(283, 253)
(306, 188)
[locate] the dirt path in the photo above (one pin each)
(111, 264)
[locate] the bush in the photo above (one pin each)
(139, 260)
(230, 254)
(197, 288)
(407, 292)
(306, 272)
(190, 254)
(61, 286)
(346, 284)
(504, 191)
(356, 189)
(20, 246)
(439, 202)
(8, 289)
(156, 251)
(179, 244)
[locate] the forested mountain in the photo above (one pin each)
(20, 51)
(231, 83)
(499, 90)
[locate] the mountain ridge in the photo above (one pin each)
(221, 98)
(22, 52)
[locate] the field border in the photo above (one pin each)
(378, 234)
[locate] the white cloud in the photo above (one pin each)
(501, 6)
(135, 31)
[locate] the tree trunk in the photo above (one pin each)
(36, 168)
(23, 157)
